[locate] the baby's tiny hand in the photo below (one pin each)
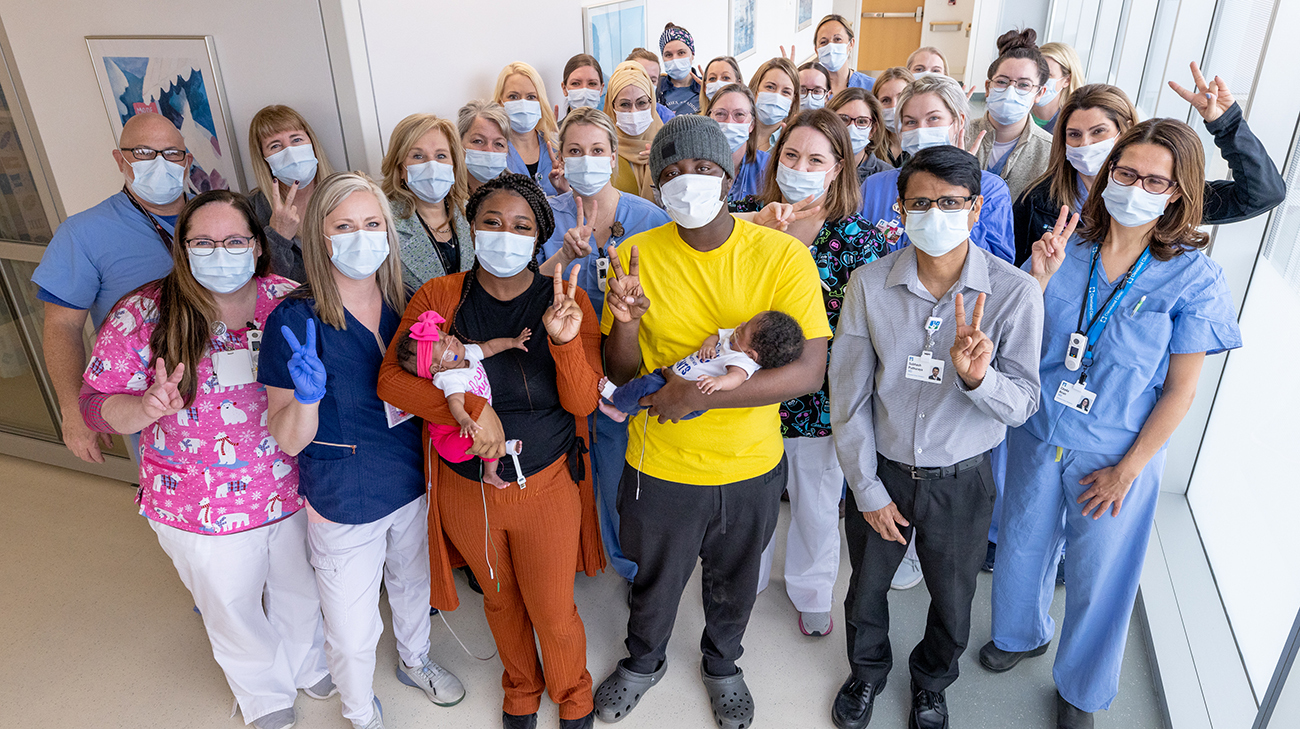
(708, 385)
(706, 352)
(467, 430)
(521, 341)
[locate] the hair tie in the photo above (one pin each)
(425, 332)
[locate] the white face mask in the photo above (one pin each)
(503, 254)
(1049, 92)
(430, 181)
(1008, 106)
(692, 200)
(1133, 207)
(833, 55)
(797, 185)
(360, 253)
(294, 164)
(772, 108)
(157, 181)
(583, 97)
(524, 115)
(736, 133)
(711, 88)
(915, 140)
(587, 175)
(888, 115)
(485, 165)
(1089, 159)
(633, 123)
(221, 271)
(859, 137)
(936, 232)
(923, 74)
(678, 68)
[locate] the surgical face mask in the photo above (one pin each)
(797, 185)
(157, 181)
(888, 115)
(430, 181)
(633, 123)
(485, 165)
(583, 97)
(915, 140)
(503, 254)
(736, 133)
(808, 101)
(294, 164)
(524, 115)
(833, 55)
(1088, 159)
(1008, 106)
(711, 88)
(936, 232)
(923, 74)
(1133, 207)
(360, 253)
(678, 68)
(692, 200)
(221, 271)
(1049, 92)
(859, 137)
(587, 175)
(772, 108)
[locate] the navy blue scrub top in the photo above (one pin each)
(356, 470)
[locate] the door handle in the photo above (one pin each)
(917, 15)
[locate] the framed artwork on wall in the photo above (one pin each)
(803, 14)
(741, 14)
(610, 31)
(178, 77)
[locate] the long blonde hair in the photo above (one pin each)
(1065, 55)
(547, 124)
(274, 119)
(407, 132)
(331, 193)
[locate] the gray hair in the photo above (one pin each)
(479, 108)
(949, 92)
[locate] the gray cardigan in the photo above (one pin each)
(420, 261)
(1025, 162)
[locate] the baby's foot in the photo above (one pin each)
(614, 413)
(490, 475)
(606, 388)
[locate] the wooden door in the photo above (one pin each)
(890, 30)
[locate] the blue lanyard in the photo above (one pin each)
(1097, 320)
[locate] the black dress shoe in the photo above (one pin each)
(515, 721)
(854, 702)
(998, 661)
(990, 556)
(473, 581)
(929, 710)
(1069, 716)
(586, 722)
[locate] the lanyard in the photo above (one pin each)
(1097, 319)
(162, 232)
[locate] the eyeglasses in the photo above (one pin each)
(1024, 86)
(144, 154)
(736, 116)
(815, 94)
(947, 204)
(1128, 177)
(235, 244)
(861, 122)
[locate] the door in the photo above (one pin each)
(890, 30)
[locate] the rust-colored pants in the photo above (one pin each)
(527, 570)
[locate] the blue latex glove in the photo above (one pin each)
(305, 368)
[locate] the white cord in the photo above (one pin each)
(640, 463)
(487, 530)
(468, 652)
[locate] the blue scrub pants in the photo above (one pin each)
(1039, 515)
(608, 454)
(998, 460)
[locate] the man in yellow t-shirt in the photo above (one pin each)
(708, 488)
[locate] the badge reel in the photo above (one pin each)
(254, 347)
(1074, 351)
(1076, 395)
(602, 273)
(925, 368)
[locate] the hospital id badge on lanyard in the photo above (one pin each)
(925, 368)
(1078, 353)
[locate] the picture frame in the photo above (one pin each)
(741, 23)
(178, 77)
(803, 12)
(610, 30)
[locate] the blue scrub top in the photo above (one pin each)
(995, 231)
(664, 113)
(373, 470)
(749, 178)
(636, 214)
(860, 80)
(101, 254)
(515, 163)
(679, 100)
(1188, 309)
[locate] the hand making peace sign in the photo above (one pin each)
(558, 181)
(972, 350)
(1049, 251)
(563, 318)
(163, 398)
(285, 218)
(779, 216)
(577, 240)
(305, 368)
(1211, 99)
(627, 301)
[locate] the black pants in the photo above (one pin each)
(665, 530)
(950, 522)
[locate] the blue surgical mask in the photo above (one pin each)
(888, 115)
(833, 55)
(678, 68)
(1089, 159)
(485, 165)
(1049, 92)
(583, 97)
(524, 115)
(360, 253)
(915, 140)
(711, 88)
(430, 181)
(936, 231)
(587, 175)
(736, 133)
(797, 185)
(1008, 106)
(859, 137)
(1133, 207)
(221, 271)
(808, 101)
(772, 108)
(157, 181)
(294, 164)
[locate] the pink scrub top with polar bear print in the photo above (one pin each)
(211, 468)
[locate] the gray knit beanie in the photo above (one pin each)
(690, 136)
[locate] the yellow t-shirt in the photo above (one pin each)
(693, 295)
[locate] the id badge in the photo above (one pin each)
(925, 368)
(395, 416)
(254, 347)
(602, 274)
(234, 368)
(1076, 396)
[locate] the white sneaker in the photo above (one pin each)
(908, 574)
(282, 719)
(440, 685)
(376, 717)
(323, 689)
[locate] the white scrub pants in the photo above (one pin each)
(260, 608)
(1039, 514)
(812, 546)
(349, 561)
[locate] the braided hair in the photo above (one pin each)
(526, 188)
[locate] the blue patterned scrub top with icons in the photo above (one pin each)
(839, 249)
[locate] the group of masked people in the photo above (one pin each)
(539, 346)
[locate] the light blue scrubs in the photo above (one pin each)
(860, 80)
(749, 177)
(1188, 309)
(515, 163)
(609, 448)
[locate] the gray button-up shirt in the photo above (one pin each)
(875, 408)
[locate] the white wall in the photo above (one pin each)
(953, 43)
(268, 54)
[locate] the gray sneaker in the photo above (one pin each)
(282, 719)
(440, 685)
(322, 689)
(376, 718)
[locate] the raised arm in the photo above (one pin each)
(574, 339)
(627, 303)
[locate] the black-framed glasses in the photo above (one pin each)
(1024, 86)
(861, 122)
(1127, 176)
(236, 244)
(144, 154)
(947, 203)
(816, 94)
